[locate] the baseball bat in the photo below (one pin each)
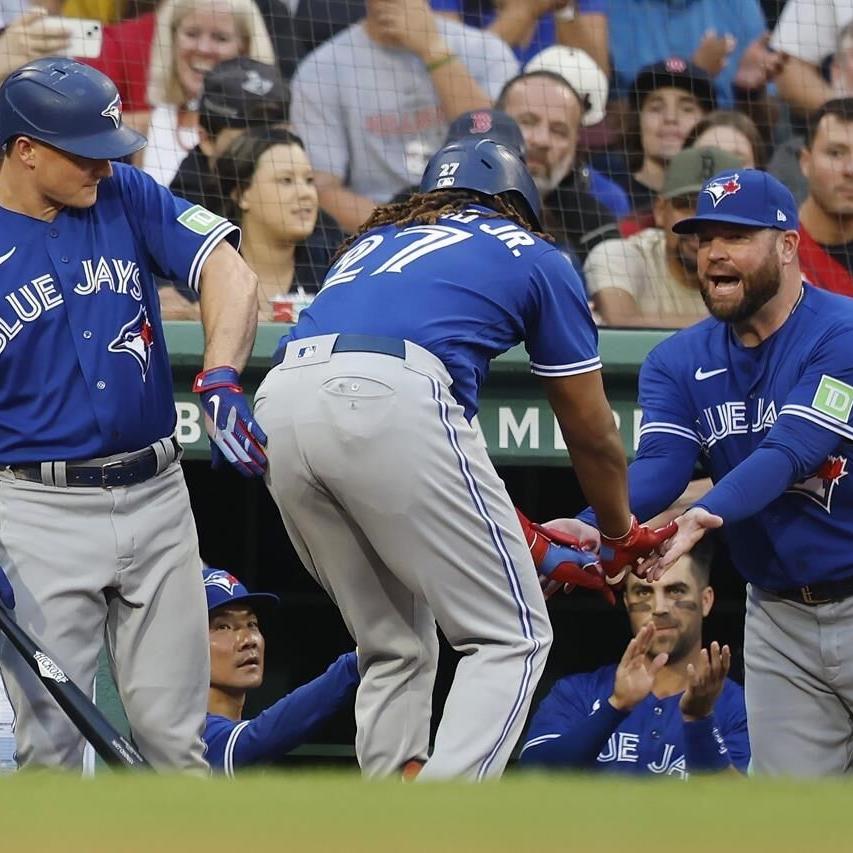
(115, 749)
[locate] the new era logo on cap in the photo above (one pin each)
(780, 217)
(720, 188)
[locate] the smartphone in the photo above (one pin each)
(86, 35)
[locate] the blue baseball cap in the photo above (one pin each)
(222, 587)
(743, 197)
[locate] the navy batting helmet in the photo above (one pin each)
(67, 105)
(487, 167)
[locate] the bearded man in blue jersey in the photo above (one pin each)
(763, 390)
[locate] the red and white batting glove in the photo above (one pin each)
(561, 562)
(619, 556)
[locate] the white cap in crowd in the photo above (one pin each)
(581, 72)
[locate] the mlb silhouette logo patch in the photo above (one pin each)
(307, 352)
(722, 188)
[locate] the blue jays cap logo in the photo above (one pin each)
(722, 188)
(113, 111)
(136, 339)
(222, 580)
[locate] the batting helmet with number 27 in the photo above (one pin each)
(487, 167)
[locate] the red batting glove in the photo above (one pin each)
(561, 562)
(619, 556)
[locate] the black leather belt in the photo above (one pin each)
(818, 593)
(135, 467)
(358, 343)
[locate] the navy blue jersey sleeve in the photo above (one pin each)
(286, 724)
(177, 235)
(813, 420)
(570, 726)
(560, 334)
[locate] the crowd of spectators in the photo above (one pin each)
(606, 94)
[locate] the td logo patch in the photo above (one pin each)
(199, 219)
(833, 398)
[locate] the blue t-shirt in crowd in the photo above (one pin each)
(481, 13)
(643, 32)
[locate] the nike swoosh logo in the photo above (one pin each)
(214, 401)
(700, 374)
(4, 258)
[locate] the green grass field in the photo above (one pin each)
(331, 811)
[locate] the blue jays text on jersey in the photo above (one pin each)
(773, 423)
(467, 289)
(283, 726)
(576, 727)
(84, 371)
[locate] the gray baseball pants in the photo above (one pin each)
(799, 685)
(120, 565)
(394, 507)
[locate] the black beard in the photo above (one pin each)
(759, 288)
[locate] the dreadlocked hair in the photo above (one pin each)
(428, 208)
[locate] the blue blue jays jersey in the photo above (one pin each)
(84, 370)
(576, 727)
(792, 395)
(467, 289)
(284, 725)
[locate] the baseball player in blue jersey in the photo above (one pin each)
(386, 489)
(97, 536)
(667, 708)
(237, 666)
(764, 391)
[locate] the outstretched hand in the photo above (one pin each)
(635, 675)
(705, 682)
(691, 527)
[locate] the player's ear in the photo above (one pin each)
(789, 246)
(24, 150)
(806, 162)
(239, 199)
(707, 600)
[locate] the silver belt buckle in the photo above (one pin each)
(104, 468)
(810, 598)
